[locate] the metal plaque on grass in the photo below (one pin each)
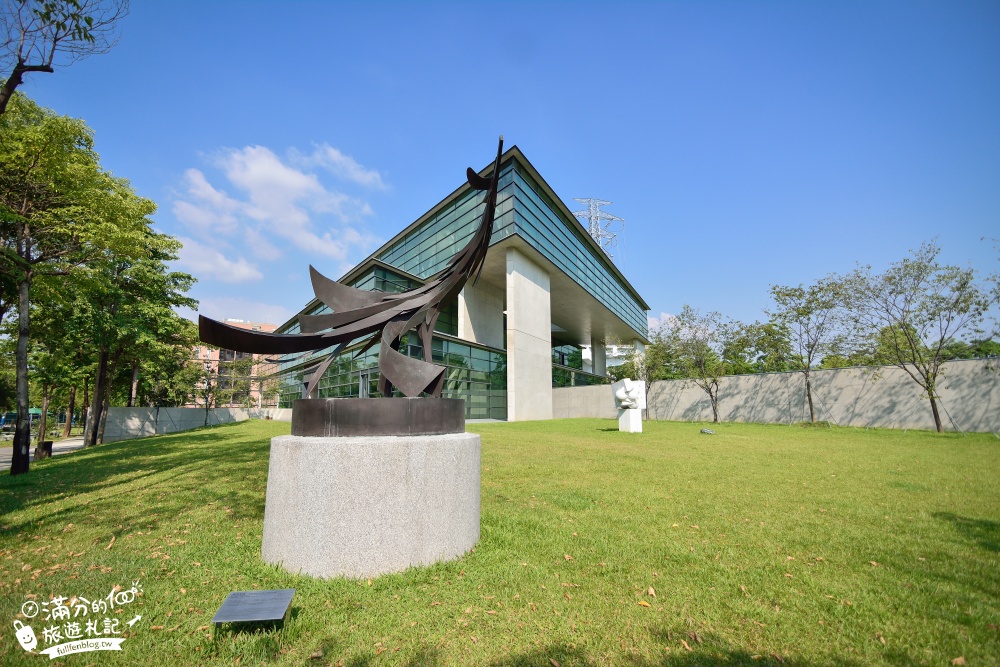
(255, 607)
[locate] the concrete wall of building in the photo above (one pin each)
(480, 315)
(888, 398)
(592, 401)
(529, 340)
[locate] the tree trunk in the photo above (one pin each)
(208, 398)
(135, 384)
(937, 415)
(104, 419)
(106, 401)
(69, 412)
(43, 421)
(85, 411)
(22, 434)
(809, 397)
(714, 397)
(100, 381)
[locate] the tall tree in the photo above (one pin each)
(816, 325)
(706, 349)
(917, 309)
(56, 358)
(760, 347)
(170, 376)
(214, 387)
(40, 34)
(132, 301)
(772, 348)
(58, 211)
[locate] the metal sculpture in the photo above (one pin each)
(388, 317)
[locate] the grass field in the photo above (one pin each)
(757, 545)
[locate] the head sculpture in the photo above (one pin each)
(384, 317)
(629, 394)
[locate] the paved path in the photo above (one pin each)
(61, 447)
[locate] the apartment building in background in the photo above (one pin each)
(246, 380)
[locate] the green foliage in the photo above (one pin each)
(58, 208)
(65, 16)
(78, 240)
(58, 211)
(757, 348)
(74, 321)
(814, 320)
(977, 349)
(704, 348)
(917, 311)
(172, 381)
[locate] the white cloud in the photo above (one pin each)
(261, 246)
(211, 211)
(340, 165)
(205, 262)
(277, 202)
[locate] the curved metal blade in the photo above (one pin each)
(476, 181)
(222, 335)
(361, 312)
(318, 375)
(411, 376)
(341, 297)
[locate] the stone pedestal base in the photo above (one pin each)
(363, 506)
(630, 420)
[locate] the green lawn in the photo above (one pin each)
(762, 544)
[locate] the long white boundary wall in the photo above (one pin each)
(889, 398)
(128, 423)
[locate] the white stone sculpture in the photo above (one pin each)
(630, 399)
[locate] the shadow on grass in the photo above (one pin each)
(205, 455)
(983, 532)
(713, 651)
(560, 655)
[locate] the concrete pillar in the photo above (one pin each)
(599, 359)
(480, 315)
(529, 340)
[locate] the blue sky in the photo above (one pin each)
(744, 143)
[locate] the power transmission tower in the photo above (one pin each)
(599, 226)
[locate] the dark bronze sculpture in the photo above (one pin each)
(357, 313)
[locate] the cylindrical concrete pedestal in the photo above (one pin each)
(364, 506)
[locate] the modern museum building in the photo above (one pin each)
(538, 317)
